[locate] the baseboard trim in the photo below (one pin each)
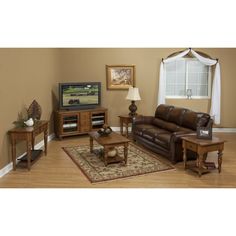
(9, 166)
(117, 129)
(215, 130)
(224, 130)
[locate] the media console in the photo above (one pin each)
(75, 122)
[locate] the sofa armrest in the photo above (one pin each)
(142, 119)
(176, 136)
(210, 123)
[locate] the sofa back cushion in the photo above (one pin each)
(166, 114)
(159, 123)
(171, 127)
(162, 111)
(176, 115)
(165, 125)
(192, 119)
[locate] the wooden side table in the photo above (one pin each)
(28, 134)
(202, 147)
(125, 120)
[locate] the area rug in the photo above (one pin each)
(139, 162)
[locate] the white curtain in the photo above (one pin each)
(216, 87)
(216, 95)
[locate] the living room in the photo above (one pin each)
(39, 72)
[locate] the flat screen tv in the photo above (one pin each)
(74, 96)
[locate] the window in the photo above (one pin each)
(187, 74)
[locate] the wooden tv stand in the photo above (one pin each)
(75, 122)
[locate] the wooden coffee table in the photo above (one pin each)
(202, 147)
(108, 142)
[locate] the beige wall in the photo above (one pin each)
(25, 75)
(89, 65)
(28, 74)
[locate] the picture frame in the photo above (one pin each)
(120, 77)
(204, 133)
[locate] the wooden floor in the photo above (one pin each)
(57, 170)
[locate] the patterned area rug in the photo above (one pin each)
(139, 162)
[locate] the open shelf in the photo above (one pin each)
(98, 120)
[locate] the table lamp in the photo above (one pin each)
(133, 95)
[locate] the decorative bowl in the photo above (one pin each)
(106, 130)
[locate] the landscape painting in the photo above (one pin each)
(120, 76)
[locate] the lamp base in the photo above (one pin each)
(133, 109)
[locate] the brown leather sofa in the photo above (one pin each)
(162, 132)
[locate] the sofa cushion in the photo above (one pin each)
(165, 125)
(148, 136)
(153, 132)
(162, 112)
(142, 127)
(139, 128)
(176, 115)
(148, 129)
(159, 123)
(163, 139)
(192, 119)
(171, 127)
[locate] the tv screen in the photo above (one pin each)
(79, 95)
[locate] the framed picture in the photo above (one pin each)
(120, 76)
(204, 133)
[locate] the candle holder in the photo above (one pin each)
(189, 93)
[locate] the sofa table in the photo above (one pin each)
(28, 134)
(125, 120)
(202, 147)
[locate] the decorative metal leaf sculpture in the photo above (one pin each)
(34, 111)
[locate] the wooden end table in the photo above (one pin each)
(28, 134)
(202, 147)
(125, 120)
(108, 142)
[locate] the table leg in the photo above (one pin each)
(200, 164)
(127, 129)
(33, 141)
(220, 154)
(13, 153)
(91, 144)
(126, 152)
(105, 155)
(205, 157)
(185, 158)
(121, 127)
(46, 142)
(29, 153)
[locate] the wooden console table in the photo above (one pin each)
(202, 147)
(28, 134)
(125, 120)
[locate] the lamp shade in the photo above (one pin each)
(133, 94)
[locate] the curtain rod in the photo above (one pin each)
(217, 59)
